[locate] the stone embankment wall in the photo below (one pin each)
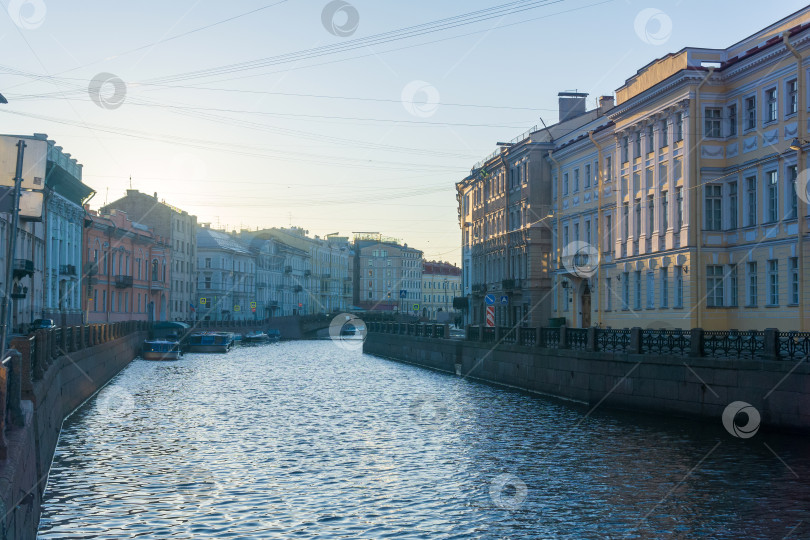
(699, 387)
(53, 373)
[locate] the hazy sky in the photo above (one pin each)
(335, 116)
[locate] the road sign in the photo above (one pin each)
(253, 305)
(416, 307)
(491, 316)
(237, 308)
(504, 300)
(490, 299)
(202, 301)
(403, 293)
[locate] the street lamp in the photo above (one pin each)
(797, 144)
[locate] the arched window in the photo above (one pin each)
(154, 270)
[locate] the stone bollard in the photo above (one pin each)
(563, 337)
(591, 339)
(635, 341)
(771, 344)
(696, 342)
(14, 388)
(446, 331)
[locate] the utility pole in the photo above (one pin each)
(15, 220)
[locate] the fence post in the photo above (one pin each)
(696, 342)
(15, 388)
(563, 337)
(446, 331)
(635, 340)
(591, 341)
(771, 344)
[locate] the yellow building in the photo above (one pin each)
(441, 284)
(699, 198)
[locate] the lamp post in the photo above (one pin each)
(12, 245)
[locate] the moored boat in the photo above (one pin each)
(160, 349)
(273, 334)
(210, 342)
(255, 337)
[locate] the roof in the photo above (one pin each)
(213, 239)
(440, 268)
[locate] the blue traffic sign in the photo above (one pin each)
(490, 299)
(504, 300)
(403, 293)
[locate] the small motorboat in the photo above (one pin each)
(273, 335)
(160, 349)
(210, 342)
(256, 336)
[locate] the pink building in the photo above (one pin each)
(126, 270)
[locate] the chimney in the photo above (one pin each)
(155, 195)
(605, 104)
(132, 192)
(572, 104)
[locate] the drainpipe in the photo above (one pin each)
(801, 205)
(600, 183)
(698, 221)
(559, 223)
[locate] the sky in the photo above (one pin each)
(336, 116)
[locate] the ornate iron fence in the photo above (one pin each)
(725, 344)
(613, 340)
(508, 334)
(664, 341)
(794, 345)
(527, 336)
(576, 338)
(550, 338)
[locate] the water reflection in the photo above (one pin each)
(309, 440)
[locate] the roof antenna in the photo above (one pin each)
(107, 196)
(130, 181)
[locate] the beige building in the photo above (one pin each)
(699, 202)
(387, 275)
(441, 284)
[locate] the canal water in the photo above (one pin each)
(317, 440)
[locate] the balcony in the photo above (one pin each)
(155, 285)
(479, 289)
(67, 269)
(123, 282)
(288, 269)
(18, 292)
(91, 269)
(23, 267)
(307, 273)
(510, 284)
(273, 304)
(298, 288)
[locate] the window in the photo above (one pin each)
(662, 174)
(773, 196)
(678, 208)
(794, 280)
(625, 290)
(751, 196)
(714, 202)
(732, 285)
(565, 184)
(732, 120)
(678, 127)
(650, 214)
(609, 232)
(625, 220)
(711, 122)
(664, 287)
(650, 290)
(587, 180)
(208, 262)
(637, 145)
(587, 231)
(753, 291)
(751, 112)
(732, 205)
(773, 283)
(678, 286)
(637, 290)
(625, 152)
(608, 169)
(608, 294)
(714, 286)
(792, 173)
(792, 91)
(664, 211)
(664, 141)
(576, 180)
(637, 214)
(650, 138)
(770, 105)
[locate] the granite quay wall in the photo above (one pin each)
(44, 377)
(695, 374)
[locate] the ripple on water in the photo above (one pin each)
(307, 440)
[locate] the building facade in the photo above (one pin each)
(180, 228)
(703, 205)
(226, 277)
(441, 285)
(387, 275)
(127, 270)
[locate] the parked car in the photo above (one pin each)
(41, 324)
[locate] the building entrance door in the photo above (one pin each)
(586, 309)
